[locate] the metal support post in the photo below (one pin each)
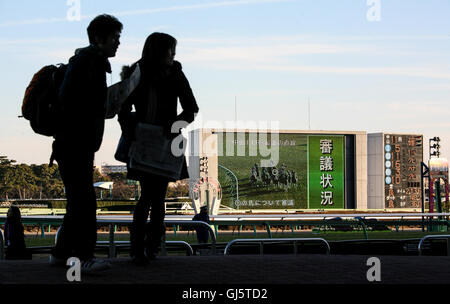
(112, 245)
(268, 230)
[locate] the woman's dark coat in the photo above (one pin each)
(168, 90)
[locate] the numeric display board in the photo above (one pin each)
(403, 155)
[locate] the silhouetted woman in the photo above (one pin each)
(162, 83)
(14, 236)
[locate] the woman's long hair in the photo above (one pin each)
(14, 215)
(152, 62)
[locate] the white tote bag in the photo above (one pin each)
(153, 152)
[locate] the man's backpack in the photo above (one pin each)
(40, 104)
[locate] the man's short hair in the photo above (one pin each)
(102, 26)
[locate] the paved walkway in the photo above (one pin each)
(242, 269)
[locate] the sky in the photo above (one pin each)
(362, 65)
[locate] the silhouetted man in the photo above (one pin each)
(83, 97)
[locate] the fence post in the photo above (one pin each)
(2, 246)
(214, 241)
(163, 244)
(363, 225)
(448, 246)
(268, 230)
(112, 246)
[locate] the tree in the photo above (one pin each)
(6, 180)
(122, 191)
(178, 189)
(118, 176)
(49, 181)
(24, 181)
(98, 177)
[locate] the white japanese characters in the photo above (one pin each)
(325, 181)
(327, 198)
(326, 146)
(326, 165)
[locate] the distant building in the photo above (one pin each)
(107, 169)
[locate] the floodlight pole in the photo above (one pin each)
(424, 173)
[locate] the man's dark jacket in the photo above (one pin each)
(83, 97)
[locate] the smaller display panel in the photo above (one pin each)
(403, 155)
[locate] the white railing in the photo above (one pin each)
(2, 246)
(240, 217)
(443, 236)
(313, 216)
(277, 240)
(113, 244)
(186, 220)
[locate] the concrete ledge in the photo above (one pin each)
(241, 269)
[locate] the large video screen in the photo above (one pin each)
(287, 171)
